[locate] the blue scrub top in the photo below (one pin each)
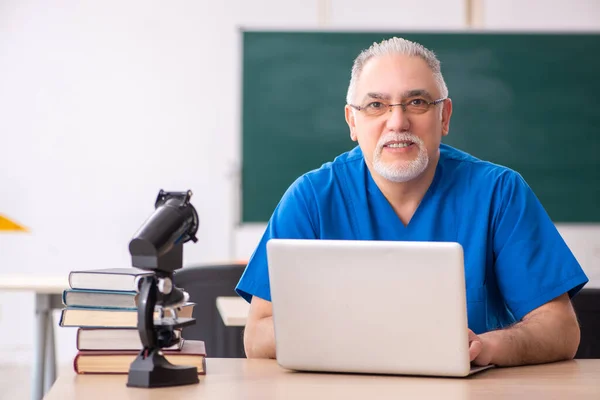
(515, 259)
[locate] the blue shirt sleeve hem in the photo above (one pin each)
(572, 286)
(247, 289)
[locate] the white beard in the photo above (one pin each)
(400, 171)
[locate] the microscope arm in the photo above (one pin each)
(147, 302)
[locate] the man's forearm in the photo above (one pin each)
(259, 339)
(533, 341)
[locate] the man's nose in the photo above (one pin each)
(397, 118)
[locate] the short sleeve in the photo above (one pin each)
(292, 219)
(533, 264)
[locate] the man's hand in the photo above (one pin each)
(480, 352)
(548, 333)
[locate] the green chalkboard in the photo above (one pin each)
(527, 101)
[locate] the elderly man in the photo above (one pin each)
(402, 183)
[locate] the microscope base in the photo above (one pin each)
(155, 371)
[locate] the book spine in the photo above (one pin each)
(76, 364)
(62, 316)
(70, 282)
(77, 339)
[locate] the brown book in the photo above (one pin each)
(193, 353)
(116, 339)
(110, 318)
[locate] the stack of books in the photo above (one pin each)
(102, 305)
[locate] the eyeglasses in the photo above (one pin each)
(412, 106)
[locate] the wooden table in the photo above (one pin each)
(233, 310)
(230, 378)
(48, 296)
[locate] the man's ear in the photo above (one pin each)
(351, 121)
(446, 114)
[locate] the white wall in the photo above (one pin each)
(541, 15)
(396, 15)
(104, 102)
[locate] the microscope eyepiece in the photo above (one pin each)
(173, 222)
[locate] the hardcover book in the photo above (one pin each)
(192, 353)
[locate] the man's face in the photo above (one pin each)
(398, 145)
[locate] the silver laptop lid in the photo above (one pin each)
(369, 306)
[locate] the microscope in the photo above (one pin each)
(158, 247)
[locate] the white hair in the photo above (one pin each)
(396, 45)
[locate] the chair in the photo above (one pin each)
(204, 284)
(587, 307)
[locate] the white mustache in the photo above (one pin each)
(398, 137)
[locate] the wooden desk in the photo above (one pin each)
(48, 296)
(230, 378)
(233, 310)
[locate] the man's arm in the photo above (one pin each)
(548, 333)
(259, 335)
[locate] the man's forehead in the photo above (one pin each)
(391, 74)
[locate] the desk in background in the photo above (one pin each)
(48, 296)
(235, 378)
(233, 310)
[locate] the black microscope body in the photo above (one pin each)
(158, 247)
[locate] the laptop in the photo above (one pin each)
(377, 307)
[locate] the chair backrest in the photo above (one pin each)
(587, 308)
(204, 283)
